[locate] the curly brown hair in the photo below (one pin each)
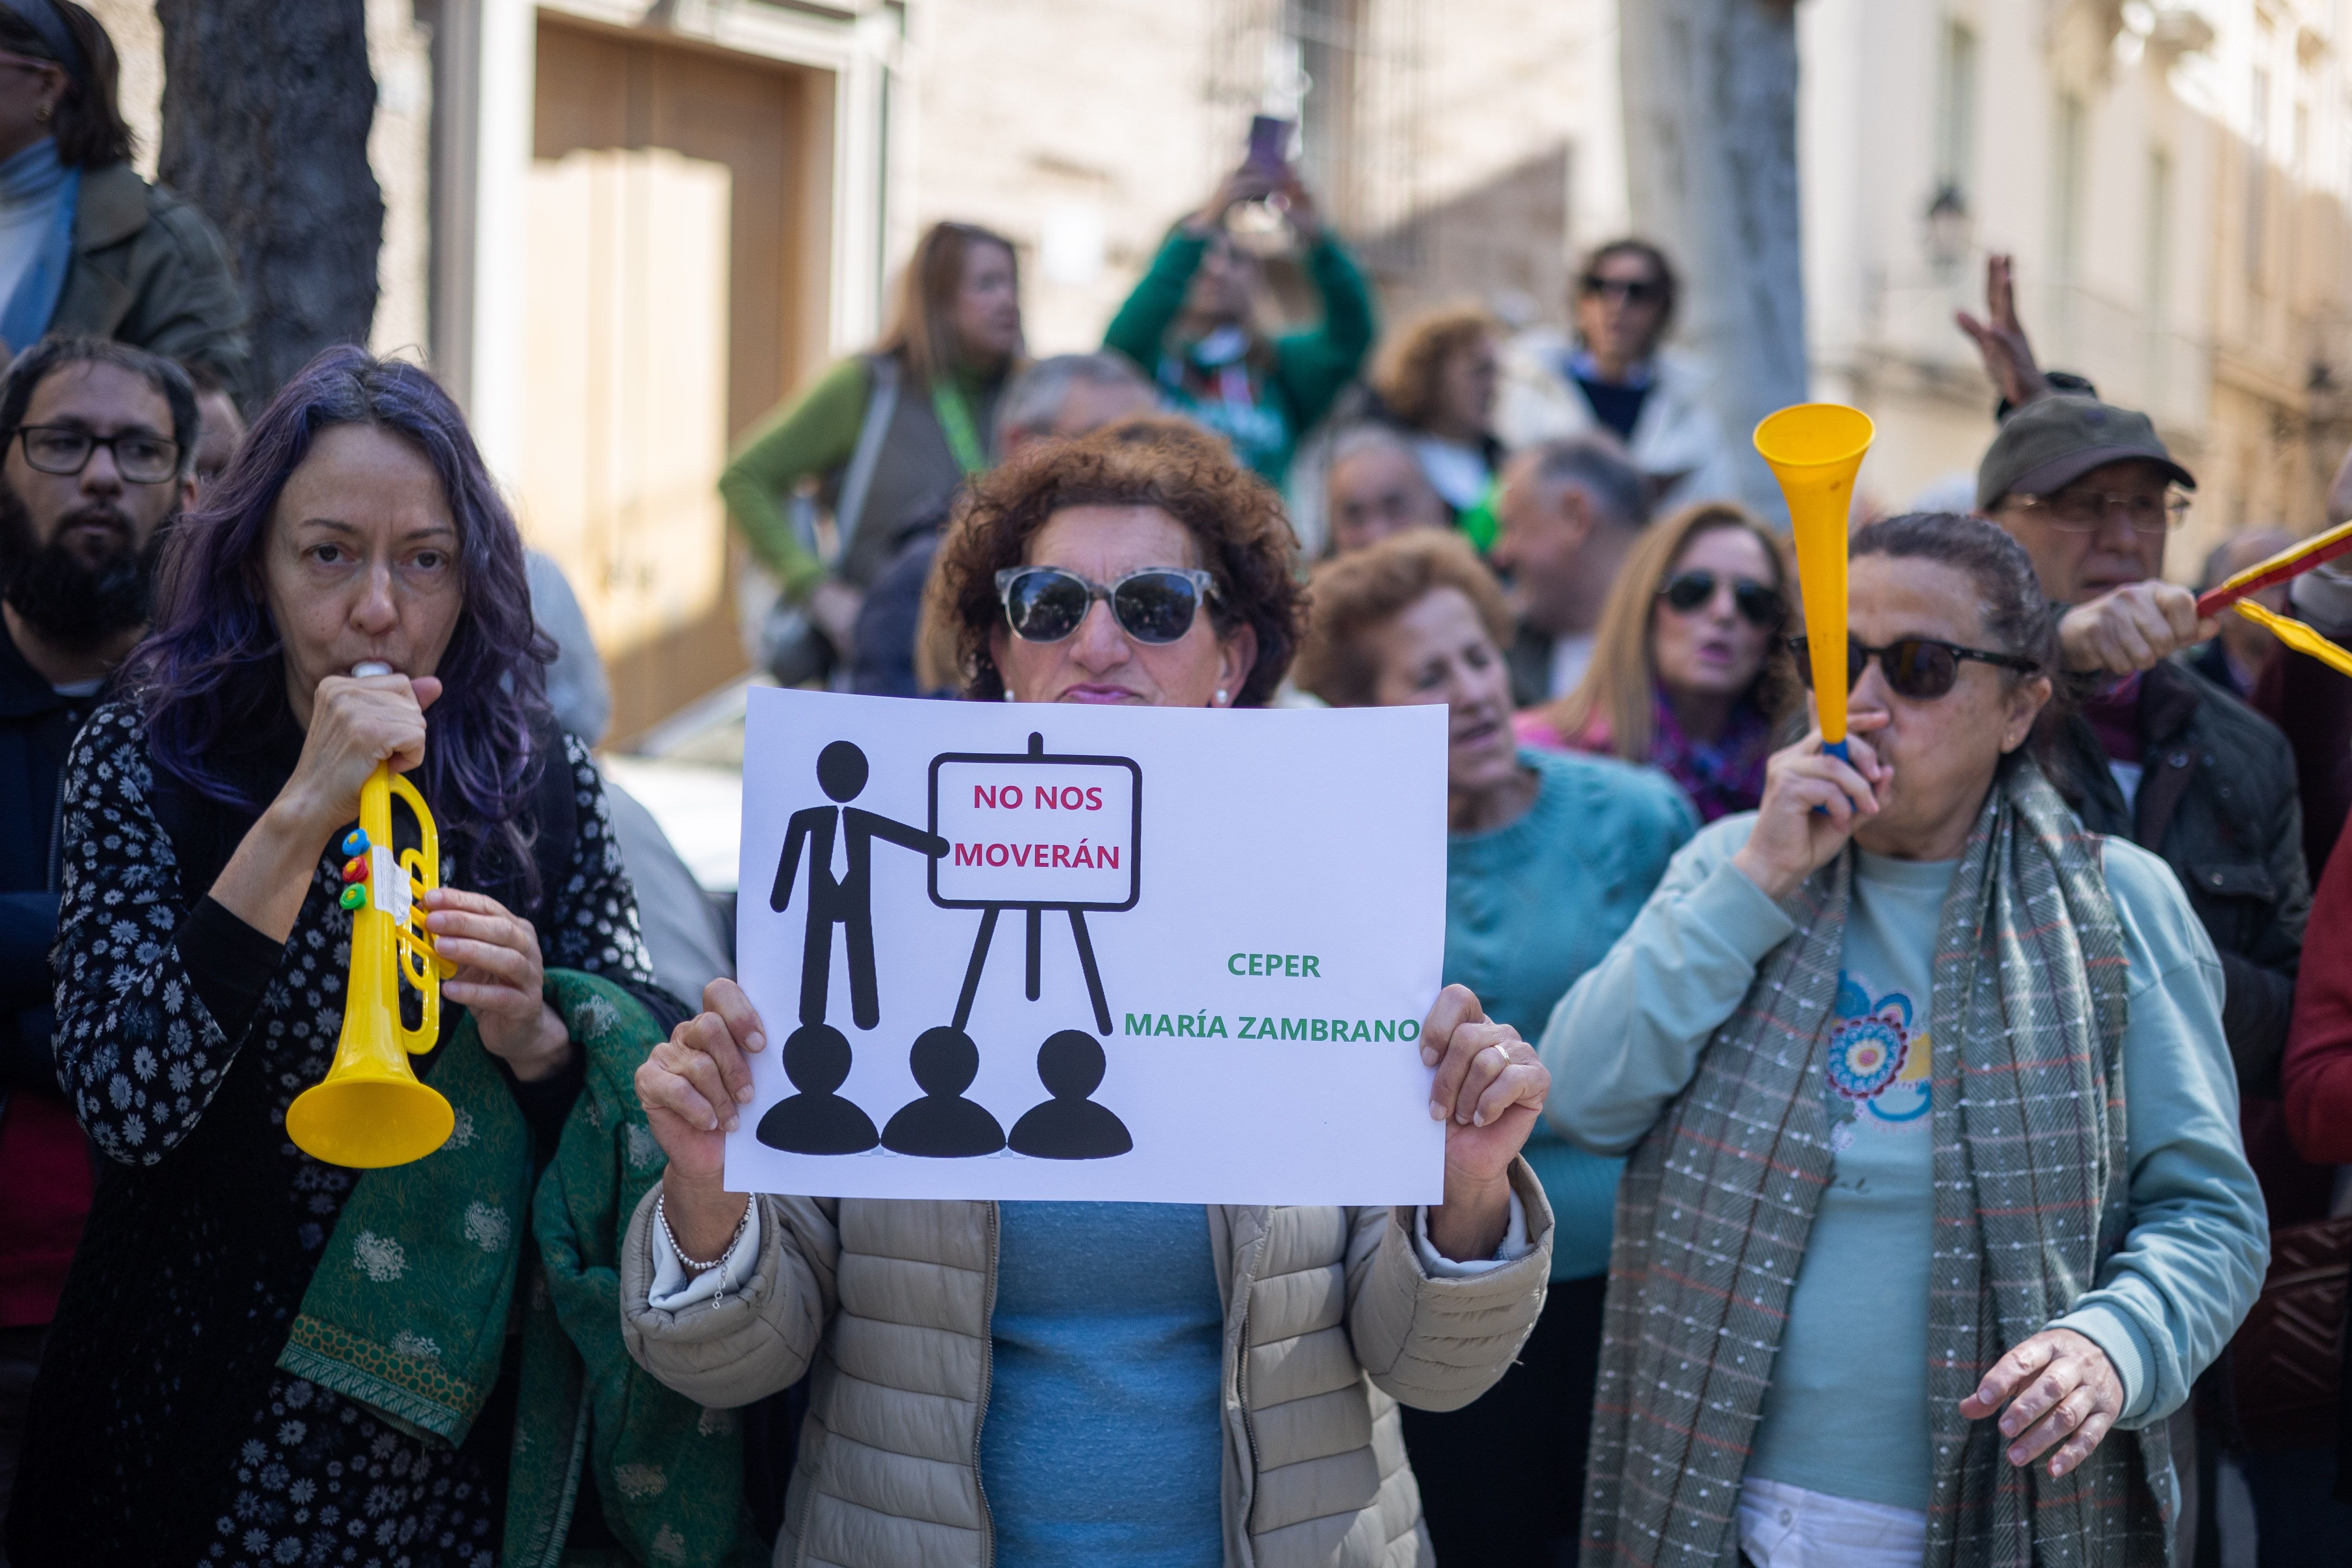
(1415, 358)
(1155, 460)
(1357, 593)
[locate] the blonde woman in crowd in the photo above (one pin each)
(1686, 673)
(885, 435)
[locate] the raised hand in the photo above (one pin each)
(2001, 339)
(1249, 183)
(1298, 205)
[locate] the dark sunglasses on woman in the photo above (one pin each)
(1920, 669)
(1633, 290)
(1758, 605)
(1155, 605)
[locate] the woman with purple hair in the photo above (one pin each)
(351, 592)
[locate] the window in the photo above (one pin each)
(2066, 187)
(1956, 111)
(1324, 34)
(2258, 175)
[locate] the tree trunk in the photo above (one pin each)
(1710, 94)
(267, 108)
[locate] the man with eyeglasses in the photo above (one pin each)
(1615, 377)
(2158, 754)
(101, 439)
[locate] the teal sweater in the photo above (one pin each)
(1105, 1441)
(1291, 383)
(1627, 1039)
(1531, 907)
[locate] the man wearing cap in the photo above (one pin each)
(2158, 754)
(87, 246)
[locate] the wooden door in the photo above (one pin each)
(669, 297)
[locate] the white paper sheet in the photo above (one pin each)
(1262, 894)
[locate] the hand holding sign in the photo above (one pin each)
(693, 1087)
(1488, 1089)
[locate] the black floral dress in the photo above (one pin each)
(161, 1431)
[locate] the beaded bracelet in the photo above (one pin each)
(695, 1265)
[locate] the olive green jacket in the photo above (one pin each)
(150, 270)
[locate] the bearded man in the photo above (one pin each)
(101, 442)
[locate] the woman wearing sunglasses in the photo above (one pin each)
(1068, 1383)
(1617, 377)
(1936, 1204)
(351, 595)
(1547, 861)
(1686, 675)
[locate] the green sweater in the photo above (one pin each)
(1529, 907)
(812, 439)
(1290, 383)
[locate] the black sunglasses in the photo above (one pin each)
(1155, 605)
(1918, 668)
(139, 457)
(1634, 290)
(1758, 605)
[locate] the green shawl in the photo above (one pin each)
(2031, 1197)
(410, 1309)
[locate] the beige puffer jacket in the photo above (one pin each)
(1330, 1319)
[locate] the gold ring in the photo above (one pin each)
(1498, 1045)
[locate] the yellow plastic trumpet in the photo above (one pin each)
(2295, 634)
(369, 1109)
(1815, 449)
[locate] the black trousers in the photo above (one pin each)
(1502, 1479)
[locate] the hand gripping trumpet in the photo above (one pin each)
(369, 1109)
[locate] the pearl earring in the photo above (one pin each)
(43, 113)
(1222, 698)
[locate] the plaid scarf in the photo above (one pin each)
(2028, 1014)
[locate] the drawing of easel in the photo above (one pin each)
(991, 909)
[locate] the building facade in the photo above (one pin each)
(623, 230)
(2172, 183)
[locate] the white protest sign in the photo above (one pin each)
(1052, 950)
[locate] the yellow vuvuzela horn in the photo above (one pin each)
(369, 1109)
(1814, 450)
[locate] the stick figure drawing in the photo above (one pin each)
(848, 901)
